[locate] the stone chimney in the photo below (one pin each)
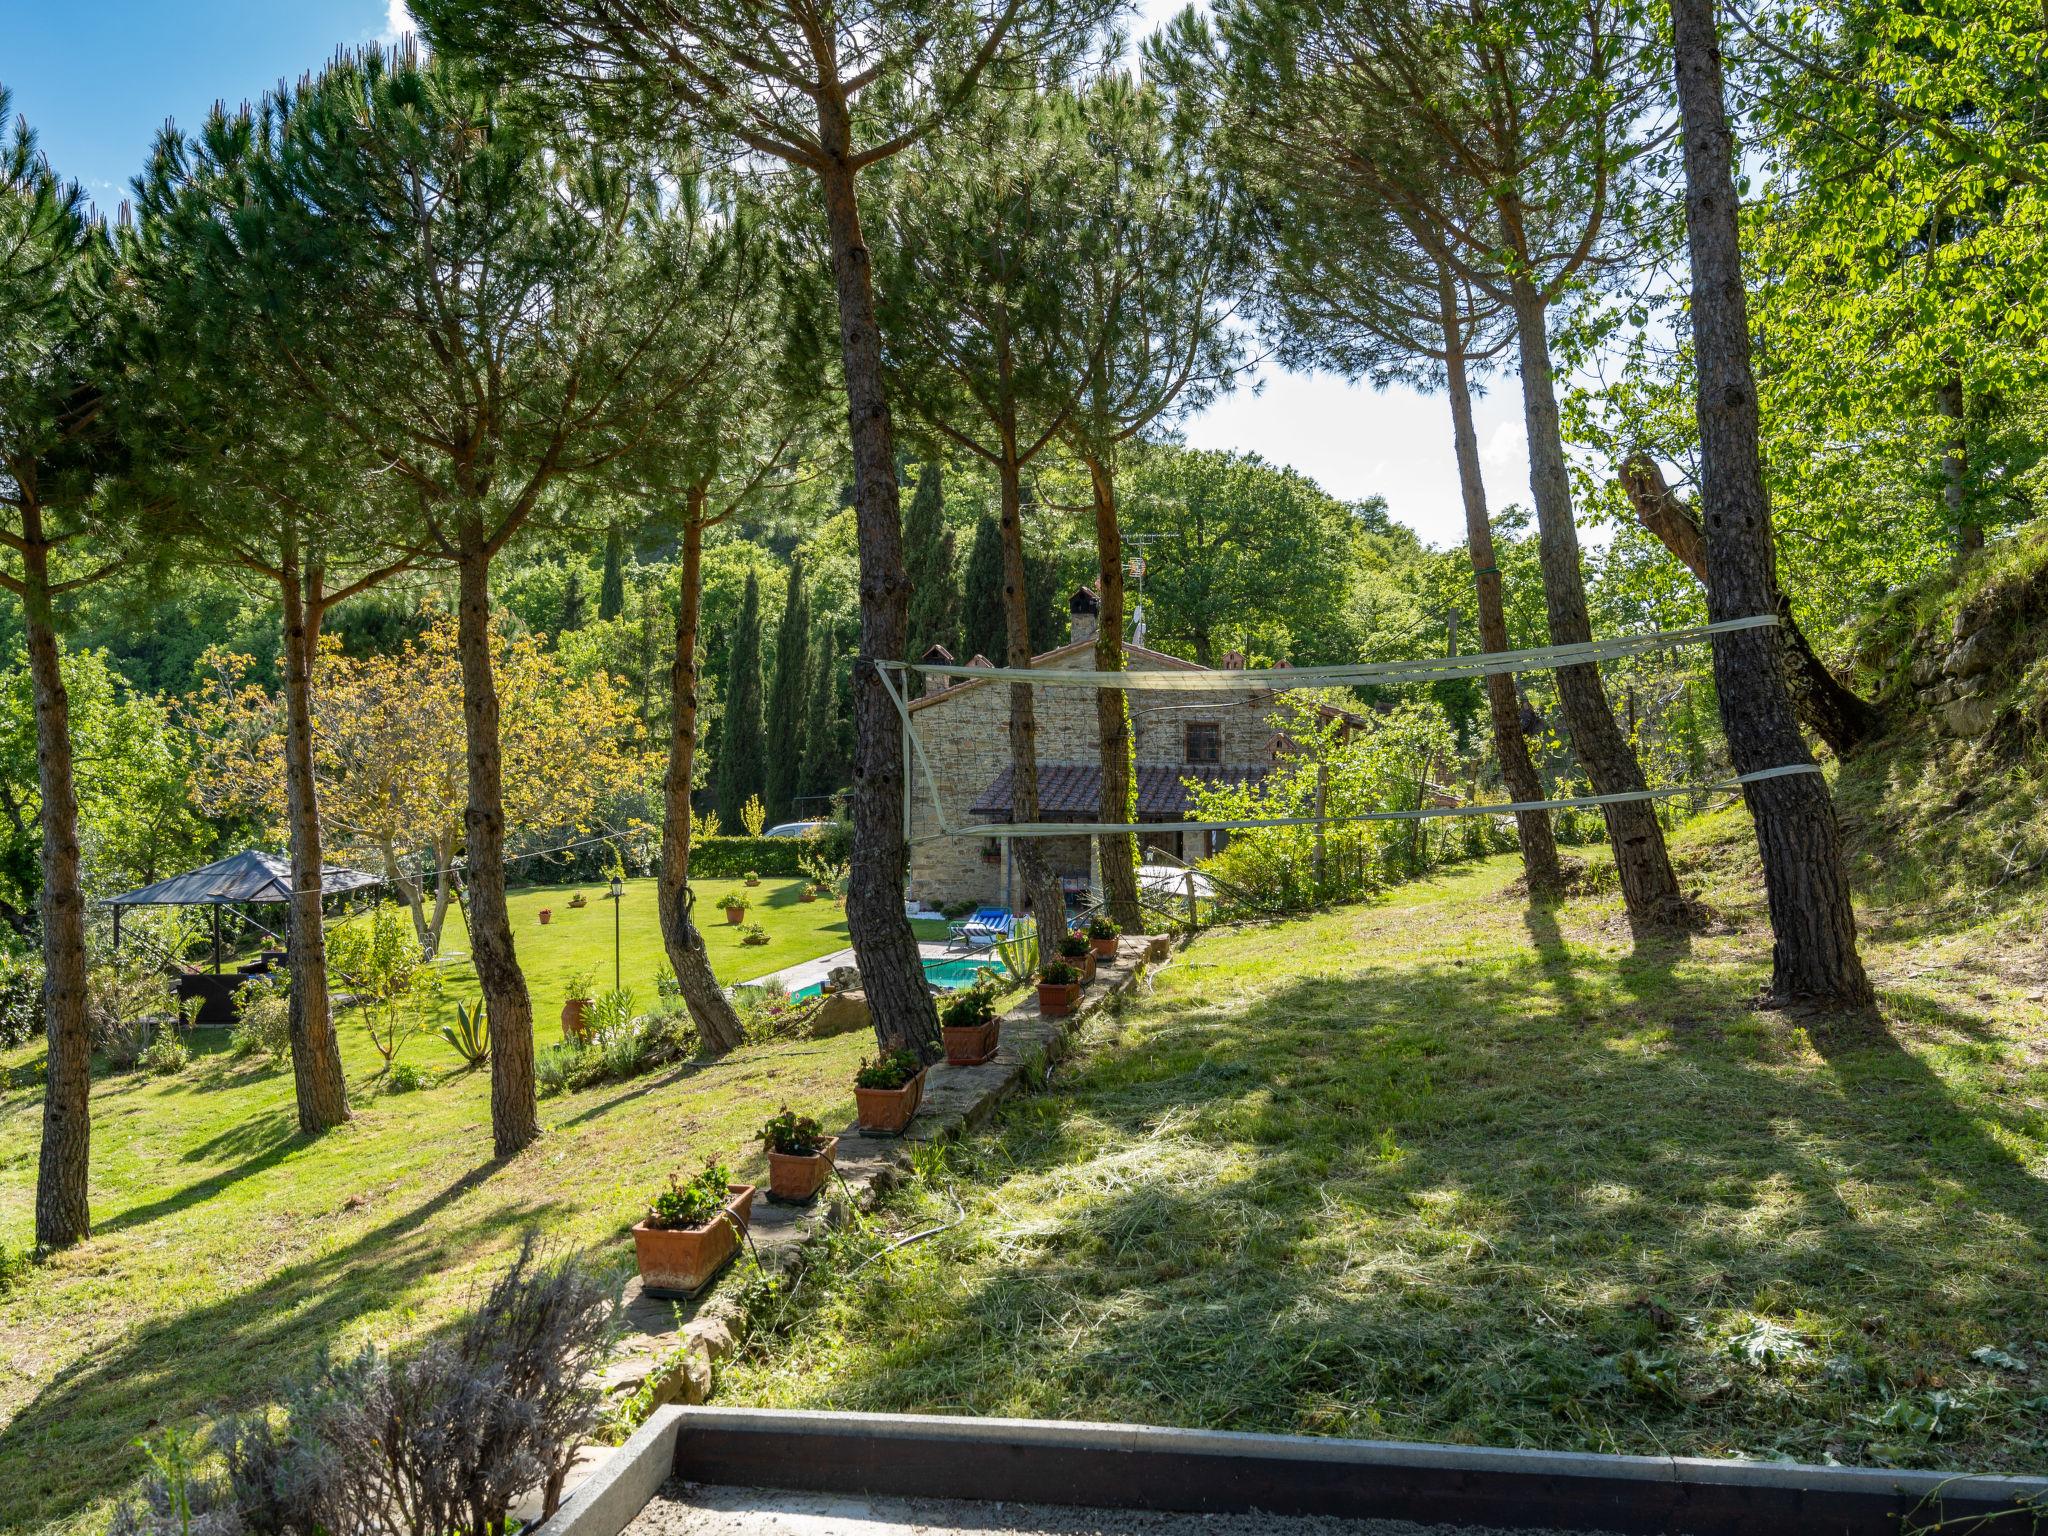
(1084, 610)
(937, 656)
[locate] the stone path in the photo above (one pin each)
(679, 1361)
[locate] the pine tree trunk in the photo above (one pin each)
(1832, 712)
(1648, 885)
(1540, 868)
(63, 1211)
(515, 1113)
(1041, 885)
(1814, 960)
(1119, 851)
(317, 1079)
(891, 971)
(718, 1026)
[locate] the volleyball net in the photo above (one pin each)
(959, 781)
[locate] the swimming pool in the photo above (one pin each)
(948, 975)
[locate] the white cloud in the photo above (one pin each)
(398, 22)
(1507, 450)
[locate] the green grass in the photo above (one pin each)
(228, 1249)
(580, 939)
(1447, 1167)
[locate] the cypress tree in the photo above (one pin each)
(981, 602)
(825, 761)
(741, 750)
(785, 723)
(611, 596)
(575, 602)
(928, 555)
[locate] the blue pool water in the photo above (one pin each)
(950, 975)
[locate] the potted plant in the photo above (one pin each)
(753, 933)
(691, 1231)
(971, 1027)
(753, 878)
(1079, 953)
(991, 852)
(735, 904)
(1102, 936)
(579, 901)
(1059, 989)
(809, 892)
(799, 1157)
(547, 915)
(887, 1092)
(581, 988)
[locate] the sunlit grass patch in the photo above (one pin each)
(1445, 1167)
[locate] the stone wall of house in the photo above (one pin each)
(965, 735)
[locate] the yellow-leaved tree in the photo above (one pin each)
(389, 754)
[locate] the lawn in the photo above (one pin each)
(579, 940)
(1445, 1167)
(228, 1249)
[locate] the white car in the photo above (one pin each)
(796, 829)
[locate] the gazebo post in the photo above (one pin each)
(216, 938)
(117, 930)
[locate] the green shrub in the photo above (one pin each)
(1059, 974)
(164, 1055)
(264, 1020)
(729, 858)
(554, 1069)
(970, 1007)
(405, 1078)
(1073, 946)
(21, 998)
(1101, 926)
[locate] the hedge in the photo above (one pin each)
(729, 858)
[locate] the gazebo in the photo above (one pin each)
(251, 878)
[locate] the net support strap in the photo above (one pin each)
(1363, 674)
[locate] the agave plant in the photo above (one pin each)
(469, 1035)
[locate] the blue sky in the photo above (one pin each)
(97, 79)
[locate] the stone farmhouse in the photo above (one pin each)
(964, 724)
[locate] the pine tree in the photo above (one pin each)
(928, 555)
(981, 601)
(611, 594)
(740, 754)
(785, 722)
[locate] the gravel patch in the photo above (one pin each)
(694, 1509)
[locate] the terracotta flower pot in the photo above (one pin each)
(1086, 966)
(546, 916)
(1058, 999)
(797, 1179)
(808, 895)
(734, 916)
(971, 1045)
(574, 1030)
(681, 1261)
(1104, 949)
(886, 1111)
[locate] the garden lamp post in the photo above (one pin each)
(618, 894)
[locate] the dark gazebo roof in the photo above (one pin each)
(242, 877)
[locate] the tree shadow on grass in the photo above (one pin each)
(1454, 1202)
(71, 1444)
